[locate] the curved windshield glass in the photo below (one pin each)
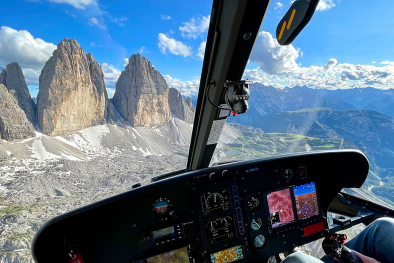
(96, 96)
(332, 88)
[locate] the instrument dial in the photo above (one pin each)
(288, 174)
(256, 224)
(161, 206)
(214, 201)
(253, 204)
(259, 241)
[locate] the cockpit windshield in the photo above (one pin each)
(97, 96)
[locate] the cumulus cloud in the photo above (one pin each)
(201, 50)
(79, 4)
(278, 6)
(31, 53)
(125, 62)
(330, 64)
(195, 27)
(165, 17)
(111, 75)
(94, 22)
(386, 62)
(272, 57)
(110, 92)
(142, 50)
(325, 5)
(174, 46)
(186, 88)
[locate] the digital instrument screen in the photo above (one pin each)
(220, 229)
(229, 255)
(176, 256)
(215, 202)
(168, 231)
(280, 208)
(306, 200)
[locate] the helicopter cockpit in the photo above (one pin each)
(244, 211)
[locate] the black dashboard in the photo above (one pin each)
(243, 211)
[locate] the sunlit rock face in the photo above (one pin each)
(13, 79)
(14, 125)
(141, 95)
(181, 108)
(72, 94)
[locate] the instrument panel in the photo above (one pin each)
(243, 212)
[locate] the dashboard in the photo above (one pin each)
(236, 212)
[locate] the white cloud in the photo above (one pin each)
(272, 57)
(186, 88)
(174, 46)
(142, 50)
(325, 5)
(94, 22)
(79, 4)
(165, 17)
(279, 68)
(92, 44)
(31, 53)
(201, 50)
(278, 6)
(330, 64)
(118, 20)
(125, 62)
(110, 92)
(373, 62)
(195, 27)
(111, 75)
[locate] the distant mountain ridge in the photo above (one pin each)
(371, 131)
(267, 100)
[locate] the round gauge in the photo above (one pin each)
(307, 209)
(256, 224)
(253, 203)
(214, 200)
(226, 221)
(161, 206)
(288, 174)
(211, 225)
(259, 241)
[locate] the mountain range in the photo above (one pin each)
(72, 96)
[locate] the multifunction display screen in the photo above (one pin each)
(306, 200)
(280, 208)
(229, 255)
(180, 255)
(215, 202)
(220, 229)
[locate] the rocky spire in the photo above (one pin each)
(12, 78)
(141, 95)
(179, 107)
(72, 94)
(14, 124)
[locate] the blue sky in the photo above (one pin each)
(336, 50)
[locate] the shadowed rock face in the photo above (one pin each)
(12, 78)
(72, 94)
(141, 95)
(14, 125)
(184, 110)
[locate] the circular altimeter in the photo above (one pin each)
(288, 174)
(161, 206)
(214, 201)
(307, 209)
(253, 204)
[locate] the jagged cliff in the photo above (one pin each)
(181, 108)
(72, 94)
(14, 125)
(12, 78)
(141, 95)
